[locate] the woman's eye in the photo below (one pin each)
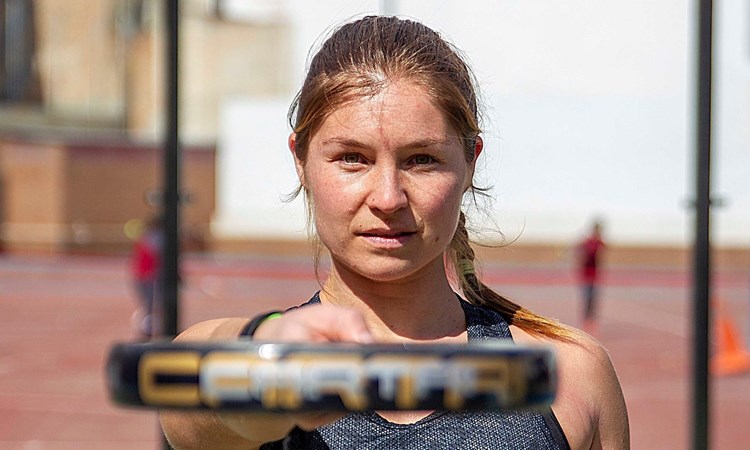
(351, 158)
(423, 159)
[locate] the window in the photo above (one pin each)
(19, 80)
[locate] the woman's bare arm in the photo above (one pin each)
(589, 404)
(612, 431)
(205, 429)
(319, 323)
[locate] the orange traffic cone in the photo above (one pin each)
(730, 357)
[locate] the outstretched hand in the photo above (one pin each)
(316, 323)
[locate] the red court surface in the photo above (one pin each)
(59, 315)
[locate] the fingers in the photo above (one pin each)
(348, 325)
(256, 427)
(317, 323)
(266, 427)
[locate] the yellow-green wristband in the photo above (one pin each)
(249, 329)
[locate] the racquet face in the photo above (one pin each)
(291, 377)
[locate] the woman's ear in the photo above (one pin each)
(298, 165)
(478, 147)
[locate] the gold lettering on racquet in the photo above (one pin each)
(152, 365)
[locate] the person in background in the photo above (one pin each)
(146, 271)
(386, 136)
(589, 256)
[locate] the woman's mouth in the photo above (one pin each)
(387, 239)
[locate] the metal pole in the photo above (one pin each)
(171, 176)
(171, 189)
(702, 250)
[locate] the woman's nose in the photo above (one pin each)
(386, 190)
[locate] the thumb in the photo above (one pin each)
(347, 324)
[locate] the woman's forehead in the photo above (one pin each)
(401, 109)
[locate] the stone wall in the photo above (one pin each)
(78, 195)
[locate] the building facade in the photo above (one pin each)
(589, 113)
(82, 112)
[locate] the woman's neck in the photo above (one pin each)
(421, 308)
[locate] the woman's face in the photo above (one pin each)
(385, 176)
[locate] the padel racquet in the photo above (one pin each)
(292, 377)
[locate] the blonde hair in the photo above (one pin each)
(360, 59)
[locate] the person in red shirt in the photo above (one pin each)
(589, 260)
(146, 272)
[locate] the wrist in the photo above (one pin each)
(253, 324)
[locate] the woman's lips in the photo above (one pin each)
(387, 239)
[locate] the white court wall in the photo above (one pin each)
(589, 109)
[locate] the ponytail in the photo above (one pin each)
(477, 293)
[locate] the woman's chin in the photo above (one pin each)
(386, 270)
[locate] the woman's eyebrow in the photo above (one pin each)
(420, 143)
(427, 142)
(345, 142)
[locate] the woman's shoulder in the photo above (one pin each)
(583, 349)
(213, 329)
(582, 357)
(589, 403)
(227, 328)
(579, 347)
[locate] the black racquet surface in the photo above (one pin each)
(291, 377)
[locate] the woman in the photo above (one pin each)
(386, 138)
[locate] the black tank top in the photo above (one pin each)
(495, 430)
